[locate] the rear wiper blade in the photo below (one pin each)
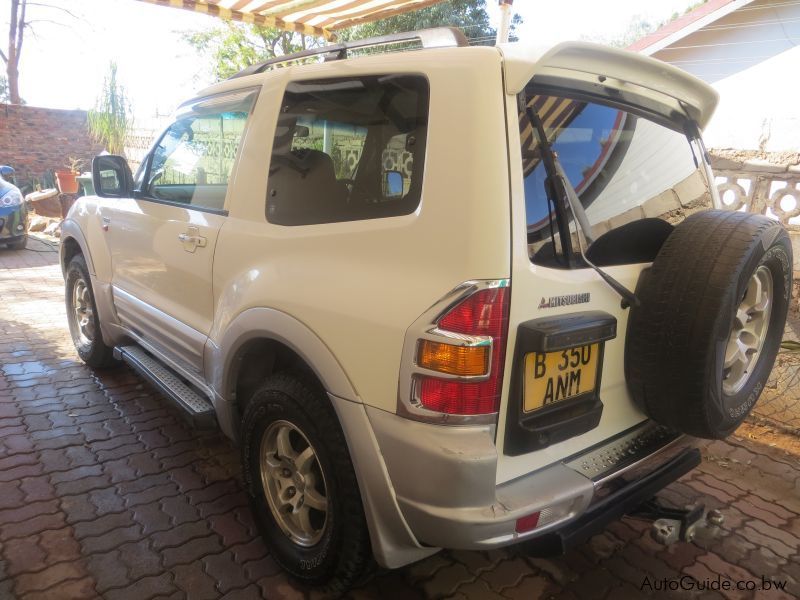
(576, 208)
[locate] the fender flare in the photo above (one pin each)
(71, 230)
(271, 324)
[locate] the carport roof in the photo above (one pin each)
(310, 17)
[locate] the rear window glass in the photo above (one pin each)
(348, 149)
(623, 167)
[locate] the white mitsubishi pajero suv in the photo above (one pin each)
(451, 297)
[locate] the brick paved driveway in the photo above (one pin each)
(105, 492)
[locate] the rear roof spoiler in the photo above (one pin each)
(597, 70)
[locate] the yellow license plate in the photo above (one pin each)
(555, 376)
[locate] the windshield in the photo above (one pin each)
(624, 169)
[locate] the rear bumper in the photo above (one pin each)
(615, 505)
(444, 481)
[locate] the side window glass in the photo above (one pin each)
(193, 160)
(348, 149)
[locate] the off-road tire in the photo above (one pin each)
(676, 338)
(19, 244)
(94, 353)
(343, 553)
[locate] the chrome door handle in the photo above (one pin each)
(191, 240)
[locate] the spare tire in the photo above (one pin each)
(712, 311)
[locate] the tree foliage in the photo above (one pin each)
(20, 22)
(4, 96)
(233, 46)
(469, 15)
(109, 121)
(16, 35)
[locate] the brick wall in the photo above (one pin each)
(36, 141)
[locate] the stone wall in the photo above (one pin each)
(768, 185)
(36, 141)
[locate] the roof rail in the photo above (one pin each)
(439, 37)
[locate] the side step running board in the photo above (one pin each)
(196, 407)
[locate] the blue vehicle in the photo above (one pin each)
(13, 213)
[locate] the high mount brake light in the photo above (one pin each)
(483, 318)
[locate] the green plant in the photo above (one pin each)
(75, 165)
(110, 120)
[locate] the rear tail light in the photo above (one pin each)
(455, 360)
(471, 351)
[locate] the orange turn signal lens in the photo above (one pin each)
(455, 360)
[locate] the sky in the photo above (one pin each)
(67, 56)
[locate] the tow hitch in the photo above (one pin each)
(673, 524)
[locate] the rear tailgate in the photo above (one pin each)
(564, 383)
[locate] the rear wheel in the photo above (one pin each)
(301, 483)
(701, 346)
(84, 322)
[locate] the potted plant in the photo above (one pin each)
(66, 178)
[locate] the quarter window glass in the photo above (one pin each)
(193, 161)
(624, 168)
(348, 149)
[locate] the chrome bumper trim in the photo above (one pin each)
(624, 452)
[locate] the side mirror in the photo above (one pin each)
(301, 131)
(111, 177)
(393, 184)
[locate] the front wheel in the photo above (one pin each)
(301, 484)
(84, 322)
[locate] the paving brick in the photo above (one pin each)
(111, 539)
(179, 509)
(37, 489)
(145, 507)
(176, 536)
(251, 592)
(748, 507)
(87, 484)
(49, 577)
(227, 573)
(195, 582)
(252, 550)
(31, 526)
(507, 573)
(230, 529)
(24, 555)
(262, 567)
(103, 524)
(151, 518)
(107, 570)
(80, 589)
(447, 580)
(60, 545)
(144, 588)
(140, 559)
(190, 551)
(279, 587)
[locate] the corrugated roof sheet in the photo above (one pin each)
(682, 22)
(311, 17)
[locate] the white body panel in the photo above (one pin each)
(343, 295)
(359, 285)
